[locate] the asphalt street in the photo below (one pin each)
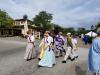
(12, 62)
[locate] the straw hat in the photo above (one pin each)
(68, 34)
(60, 33)
(29, 31)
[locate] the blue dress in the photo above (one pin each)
(94, 56)
(49, 58)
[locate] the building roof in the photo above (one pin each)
(23, 20)
(34, 27)
(19, 27)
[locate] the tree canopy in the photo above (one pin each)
(43, 19)
(5, 20)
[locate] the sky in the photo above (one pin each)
(66, 13)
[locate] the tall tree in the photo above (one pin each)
(5, 20)
(82, 31)
(71, 30)
(57, 29)
(43, 19)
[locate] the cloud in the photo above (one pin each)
(68, 13)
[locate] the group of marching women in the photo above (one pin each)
(52, 47)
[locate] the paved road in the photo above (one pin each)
(12, 62)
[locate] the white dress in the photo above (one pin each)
(29, 54)
(74, 42)
(74, 51)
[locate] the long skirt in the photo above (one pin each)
(60, 47)
(49, 59)
(29, 54)
(94, 62)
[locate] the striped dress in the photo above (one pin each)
(59, 42)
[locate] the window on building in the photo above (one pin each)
(18, 22)
(22, 22)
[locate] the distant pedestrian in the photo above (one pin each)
(82, 36)
(94, 55)
(30, 46)
(86, 39)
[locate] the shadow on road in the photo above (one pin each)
(79, 71)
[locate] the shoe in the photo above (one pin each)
(28, 59)
(69, 58)
(72, 59)
(76, 57)
(39, 59)
(64, 61)
(39, 66)
(54, 64)
(57, 56)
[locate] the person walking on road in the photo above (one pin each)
(29, 54)
(94, 55)
(75, 47)
(86, 39)
(69, 49)
(59, 44)
(48, 59)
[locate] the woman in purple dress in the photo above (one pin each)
(59, 43)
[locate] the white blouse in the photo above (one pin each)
(30, 38)
(48, 41)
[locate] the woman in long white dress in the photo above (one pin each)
(29, 54)
(48, 59)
